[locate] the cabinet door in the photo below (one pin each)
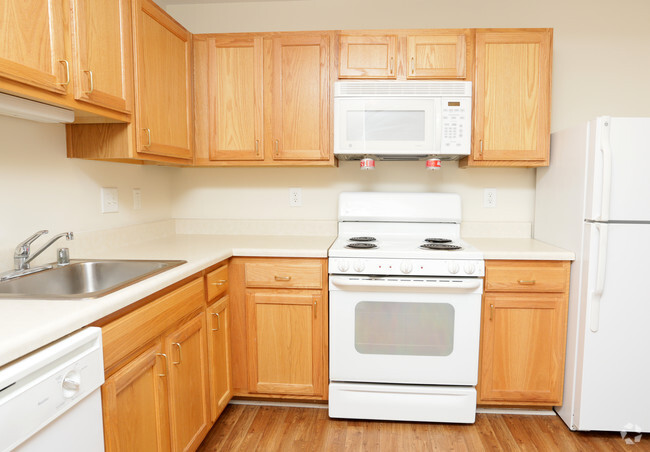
(300, 93)
(367, 56)
(436, 56)
(285, 341)
(512, 97)
(522, 356)
(164, 88)
(218, 316)
(189, 409)
(134, 403)
(235, 86)
(102, 43)
(32, 46)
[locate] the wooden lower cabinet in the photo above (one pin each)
(524, 333)
(189, 409)
(218, 318)
(135, 404)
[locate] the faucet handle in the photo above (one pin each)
(63, 256)
(23, 247)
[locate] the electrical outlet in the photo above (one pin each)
(137, 199)
(490, 197)
(295, 197)
(110, 202)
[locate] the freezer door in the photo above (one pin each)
(619, 159)
(612, 390)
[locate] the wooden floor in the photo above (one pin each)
(272, 428)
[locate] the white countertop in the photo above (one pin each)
(519, 249)
(26, 325)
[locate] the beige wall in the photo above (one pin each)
(41, 189)
(600, 66)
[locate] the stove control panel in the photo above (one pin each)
(413, 267)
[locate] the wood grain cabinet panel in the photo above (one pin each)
(300, 97)
(163, 74)
(218, 318)
(523, 333)
(32, 43)
(512, 98)
(217, 282)
(134, 404)
(286, 273)
(103, 53)
(436, 56)
(235, 98)
(367, 56)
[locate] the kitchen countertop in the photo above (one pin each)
(26, 325)
(519, 249)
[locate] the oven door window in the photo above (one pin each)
(415, 329)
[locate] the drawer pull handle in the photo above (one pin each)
(283, 278)
(218, 321)
(527, 282)
(164, 356)
(180, 357)
(221, 282)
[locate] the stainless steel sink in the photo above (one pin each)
(83, 279)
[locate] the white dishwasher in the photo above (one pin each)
(50, 399)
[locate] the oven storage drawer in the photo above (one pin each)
(525, 276)
(284, 273)
(402, 402)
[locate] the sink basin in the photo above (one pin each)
(83, 279)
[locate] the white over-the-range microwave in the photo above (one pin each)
(402, 120)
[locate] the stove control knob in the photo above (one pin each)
(406, 267)
(469, 268)
(343, 266)
(359, 266)
(453, 268)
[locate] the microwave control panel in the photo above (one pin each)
(456, 125)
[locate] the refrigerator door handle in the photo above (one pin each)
(606, 149)
(600, 277)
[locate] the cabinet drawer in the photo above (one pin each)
(217, 282)
(526, 276)
(289, 274)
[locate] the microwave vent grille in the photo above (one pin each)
(403, 89)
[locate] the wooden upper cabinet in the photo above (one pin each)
(164, 84)
(235, 98)
(103, 54)
(436, 56)
(32, 43)
(512, 98)
(299, 113)
(373, 56)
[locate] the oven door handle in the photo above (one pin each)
(420, 283)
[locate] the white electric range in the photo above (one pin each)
(405, 303)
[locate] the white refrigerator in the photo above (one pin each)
(594, 199)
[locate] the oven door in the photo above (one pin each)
(405, 330)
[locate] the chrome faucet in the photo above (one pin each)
(22, 256)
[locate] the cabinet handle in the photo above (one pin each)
(221, 282)
(526, 282)
(392, 59)
(148, 130)
(257, 147)
(412, 65)
(282, 278)
(67, 72)
(315, 307)
(276, 151)
(92, 82)
(481, 147)
(218, 322)
(491, 311)
(180, 357)
(164, 356)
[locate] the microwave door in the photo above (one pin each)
(394, 126)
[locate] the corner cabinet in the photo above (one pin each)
(523, 333)
(263, 99)
(512, 98)
(279, 311)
